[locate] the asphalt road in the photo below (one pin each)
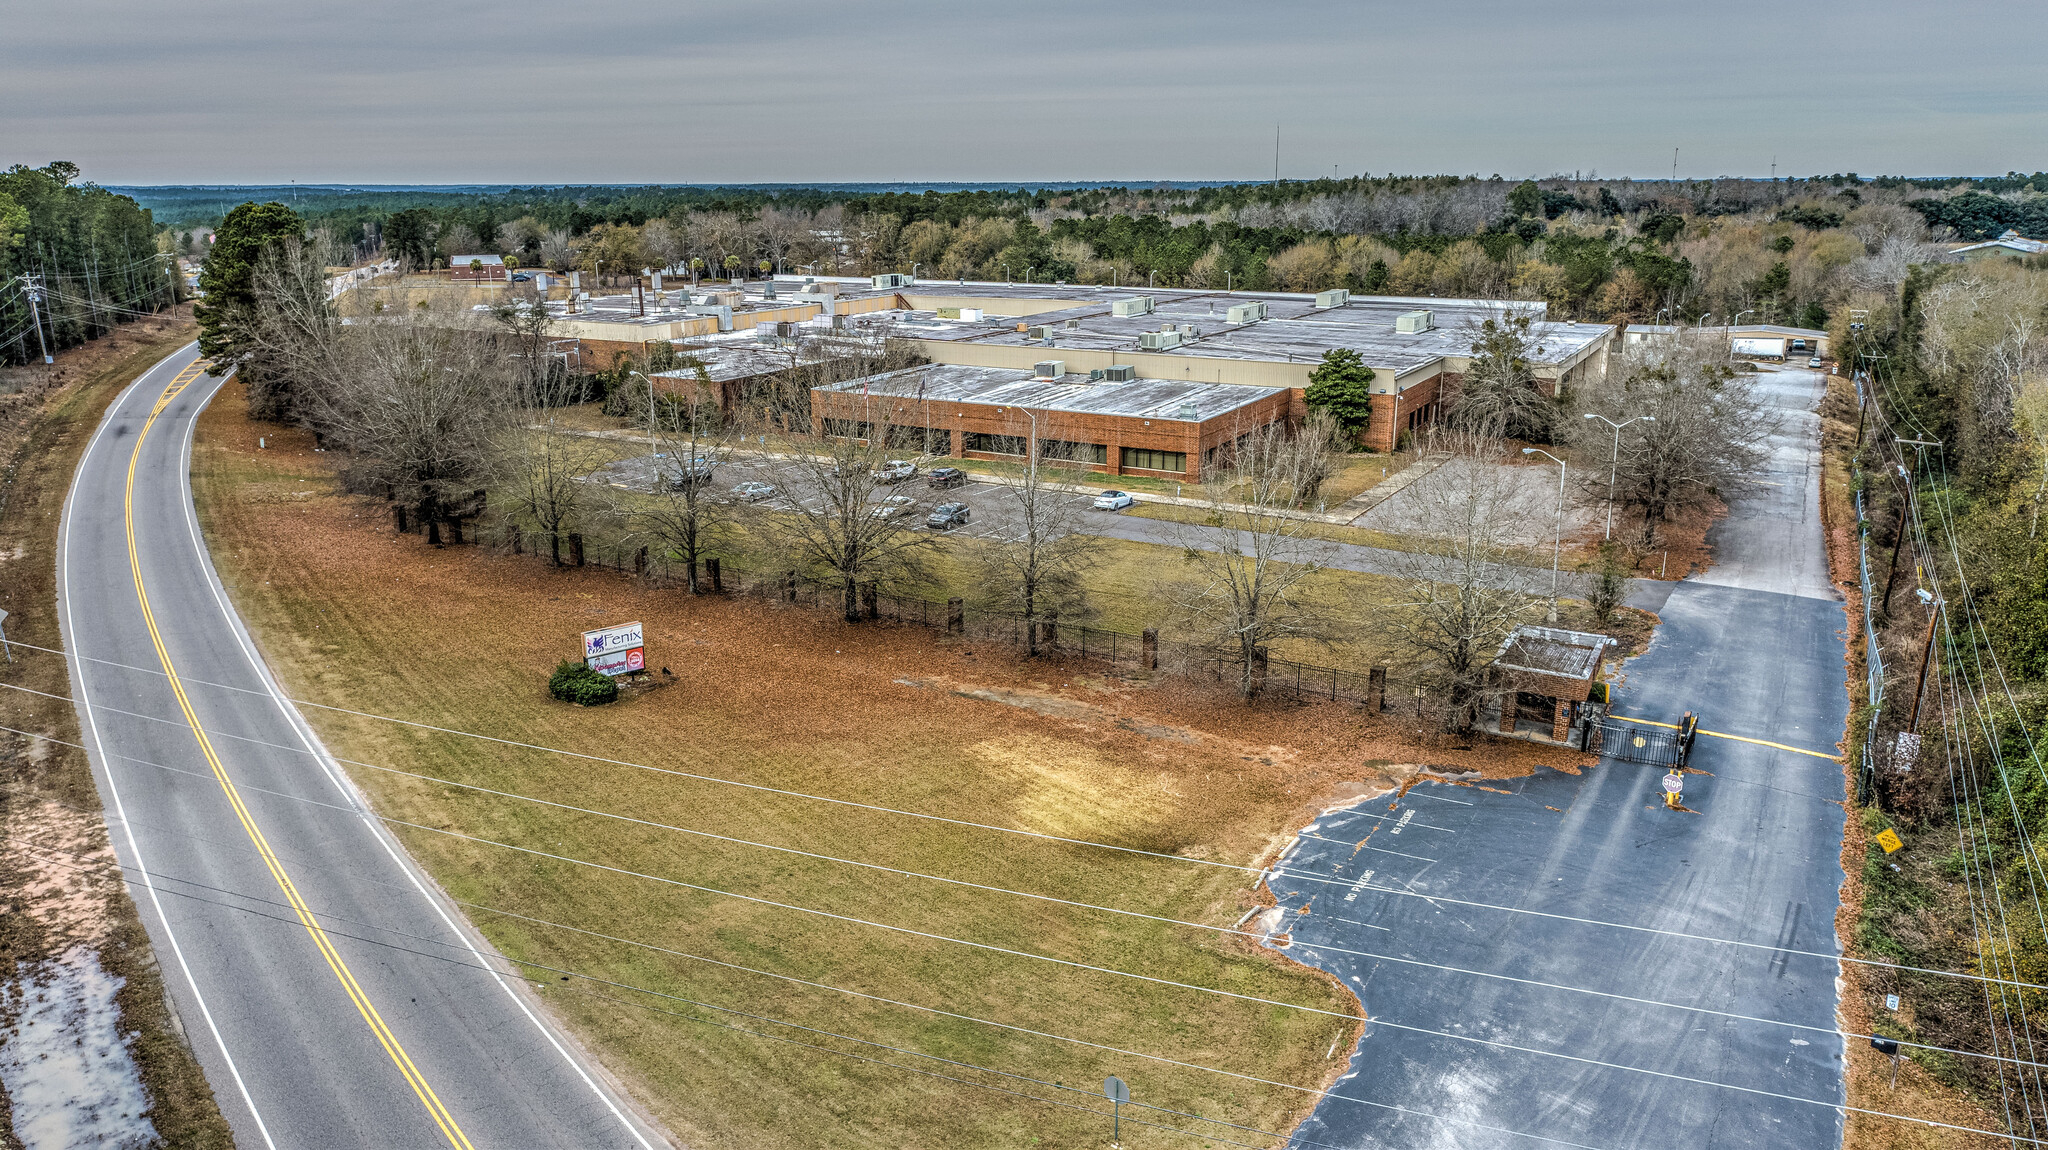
(334, 998)
(1592, 1002)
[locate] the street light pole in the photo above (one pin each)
(1614, 462)
(1557, 534)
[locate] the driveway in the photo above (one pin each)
(1560, 960)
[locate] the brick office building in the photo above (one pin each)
(1123, 425)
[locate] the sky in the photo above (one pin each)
(577, 91)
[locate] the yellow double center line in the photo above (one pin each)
(389, 1041)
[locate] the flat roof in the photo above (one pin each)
(1163, 399)
(1553, 651)
(733, 361)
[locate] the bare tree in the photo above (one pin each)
(682, 517)
(1709, 432)
(1255, 560)
(293, 329)
(1464, 591)
(1037, 570)
(662, 243)
(541, 465)
(417, 401)
(840, 524)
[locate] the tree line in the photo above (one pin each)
(75, 261)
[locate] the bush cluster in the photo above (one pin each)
(575, 683)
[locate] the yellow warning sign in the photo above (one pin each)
(1889, 840)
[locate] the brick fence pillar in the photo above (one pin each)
(1375, 689)
(1507, 713)
(1148, 653)
(575, 549)
(1561, 719)
(717, 576)
(956, 616)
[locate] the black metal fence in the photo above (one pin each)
(1635, 743)
(1058, 639)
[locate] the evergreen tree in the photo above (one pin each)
(1341, 385)
(229, 276)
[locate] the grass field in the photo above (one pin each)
(354, 615)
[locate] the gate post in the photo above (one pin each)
(1148, 650)
(575, 549)
(956, 616)
(717, 577)
(1375, 689)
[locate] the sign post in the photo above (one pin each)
(615, 651)
(3, 637)
(1114, 1089)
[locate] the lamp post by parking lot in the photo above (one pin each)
(1557, 533)
(1614, 461)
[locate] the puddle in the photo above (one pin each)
(64, 1063)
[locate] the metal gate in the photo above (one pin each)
(1632, 743)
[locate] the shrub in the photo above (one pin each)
(575, 683)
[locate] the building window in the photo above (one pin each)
(1155, 460)
(1060, 449)
(846, 429)
(996, 444)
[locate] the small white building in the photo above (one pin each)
(2010, 244)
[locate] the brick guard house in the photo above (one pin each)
(1168, 428)
(1546, 676)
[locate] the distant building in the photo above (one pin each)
(2010, 244)
(490, 268)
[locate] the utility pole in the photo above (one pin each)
(1674, 165)
(1926, 653)
(33, 285)
(1276, 155)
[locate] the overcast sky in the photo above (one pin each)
(456, 91)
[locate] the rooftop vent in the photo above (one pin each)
(1189, 331)
(1049, 369)
(1039, 331)
(1246, 312)
(1073, 325)
(1132, 305)
(1335, 297)
(1187, 411)
(1119, 373)
(1159, 340)
(1415, 322)
(890, 280)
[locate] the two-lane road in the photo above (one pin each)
(331, 993)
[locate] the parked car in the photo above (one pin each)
(947, 515)
(521, 278)
(753, 492)
(895, 471)
(1814, 362)
(680, 475)
(1798, 345)
(893, 506)
(1114, 501)
(943, 477)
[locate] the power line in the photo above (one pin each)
(1275, 871)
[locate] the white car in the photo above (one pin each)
(895, 471)
(753, 492)
(1114, 501)
(1814, 362)
(893, 506)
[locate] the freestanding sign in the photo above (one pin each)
(616, 650)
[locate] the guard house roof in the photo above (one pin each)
(1012, 387)
(465, 261)
(1551, 651)
(2011, 241)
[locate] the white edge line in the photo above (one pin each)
(97, 749)
(344, 786)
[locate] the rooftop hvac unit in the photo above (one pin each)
(1415, 322)
(890, 280)
(1073, 325)
(1095, 375)
(1119, 373)
(838, 323)
(1132, 305)
(1159, 340)
(1187, 411)
(1246, 312)
(949, 313)
(1335, 297)
(1189, 331)
(1040, 331)
(1049, 369)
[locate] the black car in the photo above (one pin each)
(943, 477)
(947, 515)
